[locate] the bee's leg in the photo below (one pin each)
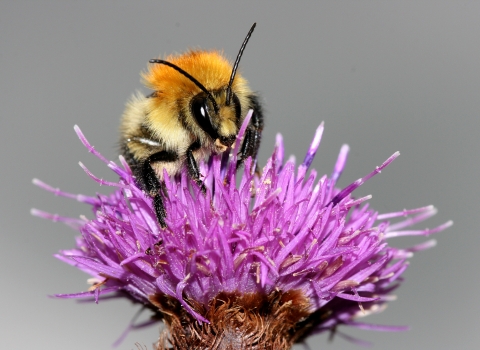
(248, 146)
(253, 134)
(192, 165)
(152, 184)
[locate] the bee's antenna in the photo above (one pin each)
(235, 65)
(195, 81)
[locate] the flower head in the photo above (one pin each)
(263, 263)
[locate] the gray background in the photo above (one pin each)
(383, 76)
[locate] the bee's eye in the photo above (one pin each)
(199, 110)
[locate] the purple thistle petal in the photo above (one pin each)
(88, 146)
(375, 327)
(349, 189)
(279, 151)
(423, 246)
(421, 216)
(313, 147)
(425, 232)
(179, 294)
(311, 151)
(340, 164)
(356, 298)
(75, 223)
(87, 294)
(57, 192)
(405, 212)
(242, 130)
(98, 180)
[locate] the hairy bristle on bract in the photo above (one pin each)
(262, 264)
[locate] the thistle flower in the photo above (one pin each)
(259, 265)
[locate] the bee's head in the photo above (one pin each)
(216, 118)
(217, 112)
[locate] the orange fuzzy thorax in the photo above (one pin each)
(210, 68)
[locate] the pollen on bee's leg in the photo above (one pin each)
(160, 210)
(220, 146)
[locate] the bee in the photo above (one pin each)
(196, 109)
